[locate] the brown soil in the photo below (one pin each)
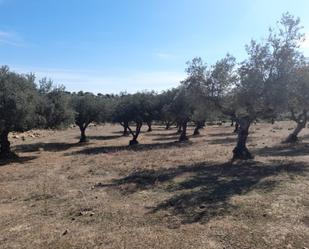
(159, 194)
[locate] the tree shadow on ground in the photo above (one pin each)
(138, 147)
(104, 137)
(292, 150)
(54, 147)
(166, 138)
(175, 137)
(223, 134)
(167, 134)
(202, 191)
(18, 159)
(226, 140)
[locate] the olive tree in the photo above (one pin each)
(150, 107)
(88, 108)
(298, 102)
(165, 114)
(127, 111)
(263, 79)
(18, 100)
(54, 107)
(191, 95)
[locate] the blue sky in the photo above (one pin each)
(111, 45)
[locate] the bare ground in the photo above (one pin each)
(161, 194)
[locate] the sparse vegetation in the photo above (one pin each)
(162, 191)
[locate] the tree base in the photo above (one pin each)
(8, 155)
(241, 154)
(291, 139)
(183, 139)
(82, 141)
(196, 133)
(133, 142)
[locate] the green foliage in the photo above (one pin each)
(54, 107)
(298, 98)
(88, 108)
(138, 108)
(165, 100)
(18, 100)
(262, 88)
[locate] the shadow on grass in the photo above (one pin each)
(54, 147)
(138, 147)
(19, 160)
(202, 191)
(292, 150)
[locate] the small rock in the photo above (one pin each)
(65, 232)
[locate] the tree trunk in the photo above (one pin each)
(135, 135)
(167, 126)
(179, 128)
(236, 127)
(196, 131)
(133, 141)
(301, 124)
(5, 146)
(149, 126)
(83, 137)
(125, 129)
(232, 122)
(199, 125)
(183, 136)
(241, 151)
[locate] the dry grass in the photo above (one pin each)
(161, 194)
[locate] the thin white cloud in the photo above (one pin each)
(10, 38)
(98, 83)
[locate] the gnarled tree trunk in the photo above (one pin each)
(5, 146)
(83, 137)
(83, 127)
(149, 124)
(183, 136)
(199, 125)
(125, 126)
(179, 127)
(236, 127)
(135, 134)
(168, 125)
(241, 151)
(196, 130)
(301, 121)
